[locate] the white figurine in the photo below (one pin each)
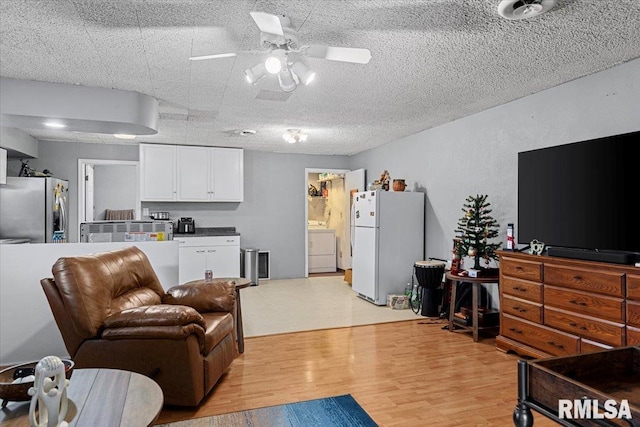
(49, 396)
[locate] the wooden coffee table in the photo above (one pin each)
(101, 397)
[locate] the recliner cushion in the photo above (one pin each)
(219, 325)
(92, 287)
(155, 315)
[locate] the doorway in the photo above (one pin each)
(106, 184)
(328, 206)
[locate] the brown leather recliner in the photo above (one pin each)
(112, 312)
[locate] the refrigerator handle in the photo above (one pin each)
(63, 215)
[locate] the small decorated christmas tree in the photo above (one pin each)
(476, 228)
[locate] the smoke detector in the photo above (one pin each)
(524, 9)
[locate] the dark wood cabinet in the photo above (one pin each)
(552, 306)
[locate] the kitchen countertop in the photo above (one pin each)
(209, 231)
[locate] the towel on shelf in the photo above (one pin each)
(118, 215)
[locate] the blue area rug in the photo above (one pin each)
(338, 411)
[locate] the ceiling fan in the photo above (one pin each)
(278, 39)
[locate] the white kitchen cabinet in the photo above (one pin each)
(322, 250)
(191, 174)
(221, 254)
(158, 172)
(226, 179)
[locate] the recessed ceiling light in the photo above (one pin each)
(124, 136)
(55, 125)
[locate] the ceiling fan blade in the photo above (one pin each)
(219, 55)
(268, 23)
(344, 54)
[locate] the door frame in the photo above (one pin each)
(82, 187)
(307, 171)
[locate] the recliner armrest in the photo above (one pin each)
(205, 297)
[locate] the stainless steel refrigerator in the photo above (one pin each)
(389, 239)
(34, 208)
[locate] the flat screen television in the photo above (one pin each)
(581, 199)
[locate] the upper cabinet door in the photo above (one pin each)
(158, 172)
(227, 174)
(193, 174)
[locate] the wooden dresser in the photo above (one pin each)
(552, 306)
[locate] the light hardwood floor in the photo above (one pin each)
(408, 373)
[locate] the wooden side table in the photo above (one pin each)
(475, 285)
(101, 397)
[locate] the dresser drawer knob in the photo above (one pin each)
(519, 309)
(551, 343)
(517, 331)
(518, 288)
(578, 278)
(580, 303)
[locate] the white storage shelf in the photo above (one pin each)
(322, 250)
(221, 254)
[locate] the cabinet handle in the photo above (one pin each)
(551, 343)
(518, 268)
(520, 309)
(200, 252)
(517, 331)
(211, 250)
(518, 288)
(579, 278)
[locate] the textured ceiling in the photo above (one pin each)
(433, 61)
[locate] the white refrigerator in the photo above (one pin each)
(389, 239)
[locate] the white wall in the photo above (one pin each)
(114, 188)
(478, 154)
(272, 215)
(27, 328)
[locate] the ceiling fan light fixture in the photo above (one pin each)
(255, 73)
(304, 74)
(276, 61)
(294, 135)
(285, 78)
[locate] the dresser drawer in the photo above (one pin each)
(588, 346)
(633, 313)
(597, 330)
(600, 306)
(633, 336)
(521, 288)
(523, 269)
(633, 287)
(521, 308)
(537, 336)
(585, 280)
